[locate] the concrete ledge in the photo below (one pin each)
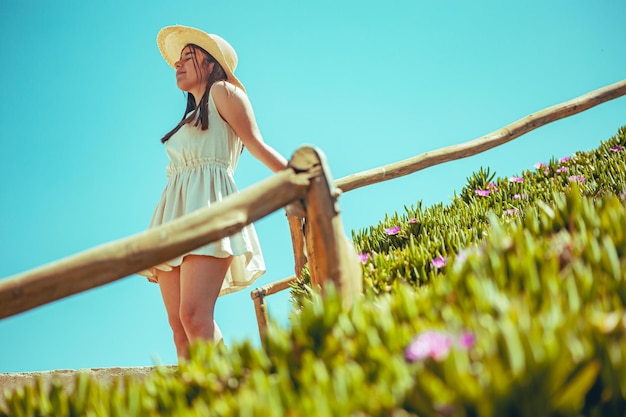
(12, 381)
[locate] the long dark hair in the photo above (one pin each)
(199, 113)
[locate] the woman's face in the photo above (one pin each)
(191, 70)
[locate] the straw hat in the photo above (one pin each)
(172, 39)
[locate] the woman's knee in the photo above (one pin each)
(195, 321)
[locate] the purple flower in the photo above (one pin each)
(467, 340)
(413, 220)
(431, 344)
(577, 178)
(364, 257)
(392, 230)
(438, 262)
(493, 186)
(512, 212)
(564, 159)
(518, 196)
(516, 179)
(562, 169)
(482, 193)
(617, 148)
(540, 165)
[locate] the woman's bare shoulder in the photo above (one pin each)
(223, 90)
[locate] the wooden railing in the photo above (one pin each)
(308, 192)
(429, 159)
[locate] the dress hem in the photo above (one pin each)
(231, 285)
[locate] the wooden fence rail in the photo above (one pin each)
(115, 260)
(483, 143)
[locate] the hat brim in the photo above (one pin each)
(172, 39)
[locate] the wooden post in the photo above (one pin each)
(331, 256)
(258, 296)
(296, 227)
(329, 253)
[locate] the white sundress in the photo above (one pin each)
(200, 173)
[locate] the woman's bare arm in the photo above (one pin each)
(235, 108)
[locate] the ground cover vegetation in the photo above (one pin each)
(510, 300)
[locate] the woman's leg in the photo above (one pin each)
(201, 279)
(169, 282)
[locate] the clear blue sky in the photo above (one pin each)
(86, 97)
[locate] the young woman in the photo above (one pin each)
(203, 150)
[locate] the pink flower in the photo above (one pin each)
(518, 196)
(577, 178)
(540, 165)
(512, 212)
(617, 148)
(438, 262)
(564, 159)
(562, 169)
(392, 230)
(364, 257)
(436, 345)
(516, 179)
(413, 220)
(429, 344)
(493, 186)
(482, 193)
